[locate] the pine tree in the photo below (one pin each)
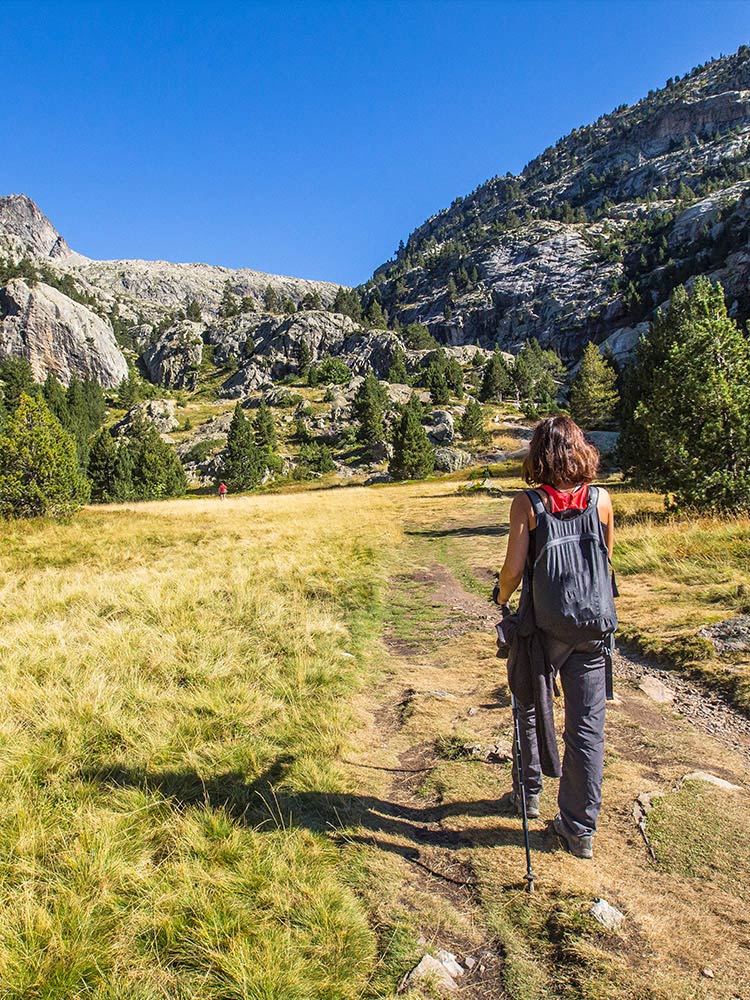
(228, 306)
(454, 375)
(193, 311)
(437, 384)
(78, 419)
(54, 395)
(39, 471)
(413, 455)
(471, 424)
(157, 472)
(102, 467)
(271, 299)
(537, 373)
(593, 395)
(369, 407)
(127, 391)
(288, 306)
(375, 316)
(264, 427)
(17, 378)
(686, 407)
(397, 372)
(304, 358)
(497, 380)
(243, 465)
(311, 300)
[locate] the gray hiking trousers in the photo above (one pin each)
(582, 672)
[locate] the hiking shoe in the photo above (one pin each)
(532, 805)
(579, 847)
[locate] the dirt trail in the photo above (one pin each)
(461, 868)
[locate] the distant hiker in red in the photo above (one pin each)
(560, 545)
(222, 490)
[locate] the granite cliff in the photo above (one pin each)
(595, 232)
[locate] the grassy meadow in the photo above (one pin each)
(176, 687)
(201, 729)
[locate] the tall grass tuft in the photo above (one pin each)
(175, 695)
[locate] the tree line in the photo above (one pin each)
(55, 453)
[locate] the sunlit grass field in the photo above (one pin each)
(181, 683)
(160, 668)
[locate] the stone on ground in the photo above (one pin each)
(606, 914)
(712, 779)
(656, 690)
(429, 971)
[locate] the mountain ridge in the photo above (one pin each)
(597, 192)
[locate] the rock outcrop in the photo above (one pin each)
(174, 358)
(159, 412)
(56, 334)
(24, 229)
(591, 238)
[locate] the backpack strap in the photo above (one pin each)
(536, 502)
(593, 496)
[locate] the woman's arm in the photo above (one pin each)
(607, 516)
(518, 547)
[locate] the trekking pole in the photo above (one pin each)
(522, 791)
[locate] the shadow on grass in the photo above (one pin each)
(258, 804)
(492, 530)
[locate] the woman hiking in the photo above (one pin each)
(560, 544)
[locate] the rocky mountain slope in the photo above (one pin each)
(144, 302)
(583, 245)
(596, 231)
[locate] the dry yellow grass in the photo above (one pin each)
(190, 690)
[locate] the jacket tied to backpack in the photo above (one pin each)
(568, 593)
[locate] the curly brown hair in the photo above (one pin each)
(559, 454)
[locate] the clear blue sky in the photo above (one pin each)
(308, 138)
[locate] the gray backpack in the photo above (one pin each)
(572, 586)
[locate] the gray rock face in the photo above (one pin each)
(56, 334)
(249, 378)
(589, 240)
(174, 359)
(439, 428)
(159, 412)
(731, 634)
(604, 441)
(26, 230)
(156, 283)
(451, 459)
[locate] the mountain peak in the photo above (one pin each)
(26, 227)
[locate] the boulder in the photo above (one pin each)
(606, 914)
(173, 360)
(451, 459)
(440, 428)
(381, 451)
(604, 441)
(398, 393)
(210, 430)
(57, 335)
(712, 779)
(247, 379)
(159, 412)
(373, 349)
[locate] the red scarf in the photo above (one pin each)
(576, 500)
